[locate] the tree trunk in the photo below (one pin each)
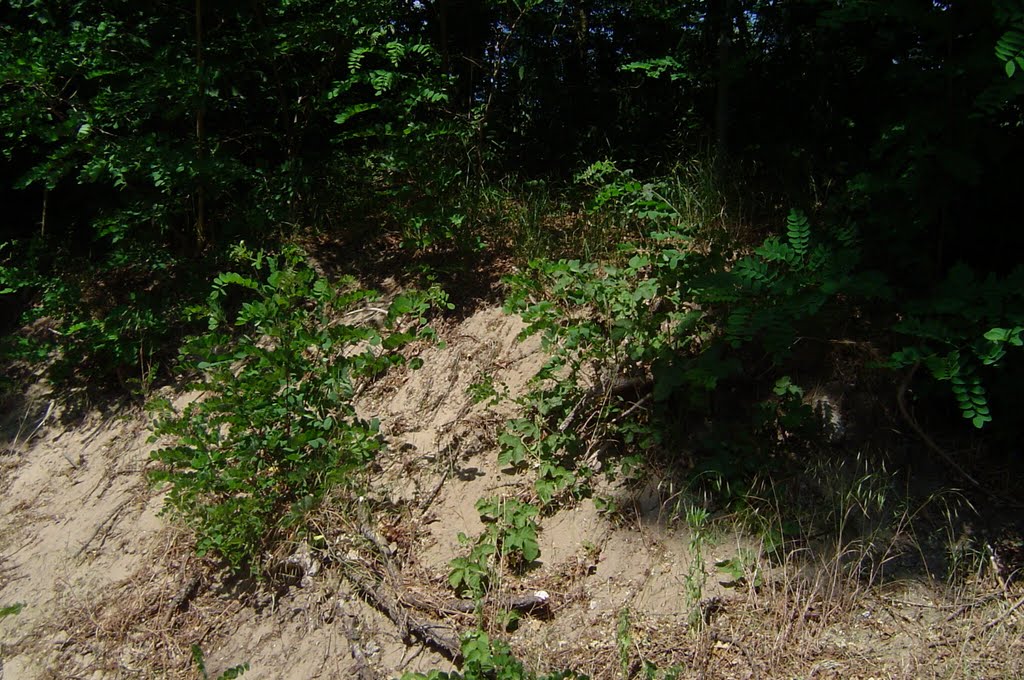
(201, 235)
(722, 23)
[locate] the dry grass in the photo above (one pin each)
(145, 625)
(863, 600)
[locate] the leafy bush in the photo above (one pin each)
(633, 342)
(107, 323)
(275, 426)
(964, 326)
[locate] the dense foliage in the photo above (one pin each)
(141, 139)
(275, 427)
(692, 196)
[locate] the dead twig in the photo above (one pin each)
(534, 602)
(437, 489)
(971, 605)
(185, 594)
(361, 670)
(725, 639)
(105, 526)
(1005, 615)
(438, 636)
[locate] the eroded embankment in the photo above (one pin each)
(112, 590)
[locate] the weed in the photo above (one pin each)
(487, 659)
(637, 345)
(743, 569)
(103, 325)
(11, 610)
(624, 641)
(509, 539)
(486, 390)
(199, 659)
(696, 574)
(471, 576)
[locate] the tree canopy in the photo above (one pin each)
(142, 140)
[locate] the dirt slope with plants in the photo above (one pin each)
(652, 585)
(749, 408)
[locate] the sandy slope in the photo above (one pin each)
(78, 519)
(112, 590)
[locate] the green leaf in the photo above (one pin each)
(11, 610)
(352, 111)
(531, 550)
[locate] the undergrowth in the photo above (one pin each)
(637, 346)
(509, 541)
(642, 342)
(487, 659)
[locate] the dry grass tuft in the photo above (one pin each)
(145, 625)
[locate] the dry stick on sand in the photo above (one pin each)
(105, 526)
(441, 637)
(527, 603)
(438, 636)
(1005, 615)
(361, 670)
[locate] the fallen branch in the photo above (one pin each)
(438, 636)
(535, 602)
(105, 526)
(928, 441)
(361, 670)
(1005, 615)
(185, 594)
(971, 605)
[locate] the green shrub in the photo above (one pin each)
(635, 342)
(509, 536)
(275, 426)
(105, 324)
(961, 329)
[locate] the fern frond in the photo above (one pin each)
(1010, 49)
(774, 250)
(799, 231)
